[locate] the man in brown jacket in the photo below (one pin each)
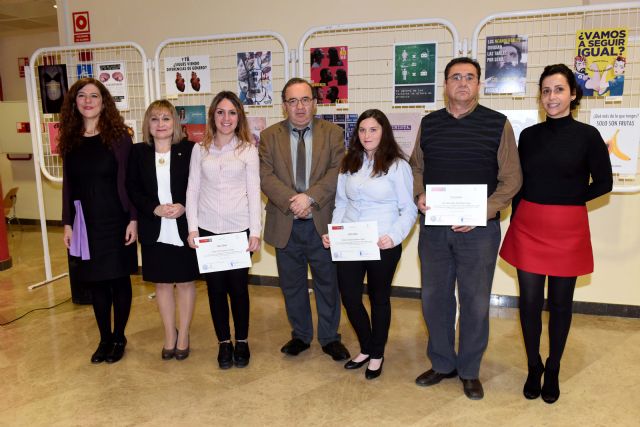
(299, 164)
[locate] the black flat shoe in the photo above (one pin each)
(369, 374)
(532, 386)
(225, 355)
(294, 347)
(356, 365)
(117, 352)
(432, 377)
(241, 354)
(100, 355)
(336, 350)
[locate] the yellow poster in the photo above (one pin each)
(600, 61)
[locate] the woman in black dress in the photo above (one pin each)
(565, 164)
(100, 226)
(157, 183)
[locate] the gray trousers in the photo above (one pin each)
(305, 248)
(470, 259)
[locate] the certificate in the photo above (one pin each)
(223, 252)
(354, 241)
(456, 205)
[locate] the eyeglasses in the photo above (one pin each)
(459, 77)
(293, 102)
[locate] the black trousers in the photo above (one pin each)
(372, 332)
(234, 285)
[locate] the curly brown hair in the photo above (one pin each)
(242, 129)
(110, 124)
(387, 153)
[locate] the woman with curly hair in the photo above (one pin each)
(100, 223)
(223, 197)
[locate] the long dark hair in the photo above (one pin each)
(387, 153)
(110, 124)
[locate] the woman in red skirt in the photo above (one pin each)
(565, 164)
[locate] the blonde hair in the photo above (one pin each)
(242, 129)
(154, 107)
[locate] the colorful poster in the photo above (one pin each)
(254, 78)
(506, 64)
(329, 74)
(520, 120)
(53, 129)
(345, 121)
(414, 74)
(84, 70)
(53, 87)
(620, 129)
(256, 126)
(405, 129)
(600, 61)
(193, 119)
(194, 68)
(114, 76)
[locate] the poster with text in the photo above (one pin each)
(254, 78)
(256, 126)
(53, 129)
(414, 74)
(114, 76)
(405, 129)
(345, 121)
(600, 61)
(506, 64)
(520, 119)
(193, 120)
(53, 87)
(620, 129)
(187, 74)
(330, 74)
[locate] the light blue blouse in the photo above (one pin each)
(387, 199)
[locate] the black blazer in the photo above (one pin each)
(142, 186)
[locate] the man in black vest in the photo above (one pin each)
(464, 143)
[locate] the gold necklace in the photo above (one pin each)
(162, 158)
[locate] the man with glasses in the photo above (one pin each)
(299, 164)
(464, 143)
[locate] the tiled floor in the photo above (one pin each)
(47, 378)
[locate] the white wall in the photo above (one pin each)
(615, 229)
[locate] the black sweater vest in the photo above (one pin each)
(462, 151)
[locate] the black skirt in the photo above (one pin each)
(163, 263)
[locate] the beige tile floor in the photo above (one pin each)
(47, 380)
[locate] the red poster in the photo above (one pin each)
(81, 27)
(329, 74)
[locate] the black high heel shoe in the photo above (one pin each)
(183, 354)
(167, 354)
(551, 389)
(356, 365)
(532, 387)
(369, 374)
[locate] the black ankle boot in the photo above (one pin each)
(225, 355)
(532, 387)
(551, 388)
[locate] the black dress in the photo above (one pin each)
(92, 170)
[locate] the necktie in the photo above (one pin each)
(301, 163)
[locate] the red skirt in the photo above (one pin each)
(553, 240)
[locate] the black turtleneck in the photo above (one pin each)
(558, 157)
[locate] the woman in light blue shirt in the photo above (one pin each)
(375, 184)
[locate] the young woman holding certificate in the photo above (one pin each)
(375, 184)
(565, 164)
(157, 183)
(100, 224)
(223, 197)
